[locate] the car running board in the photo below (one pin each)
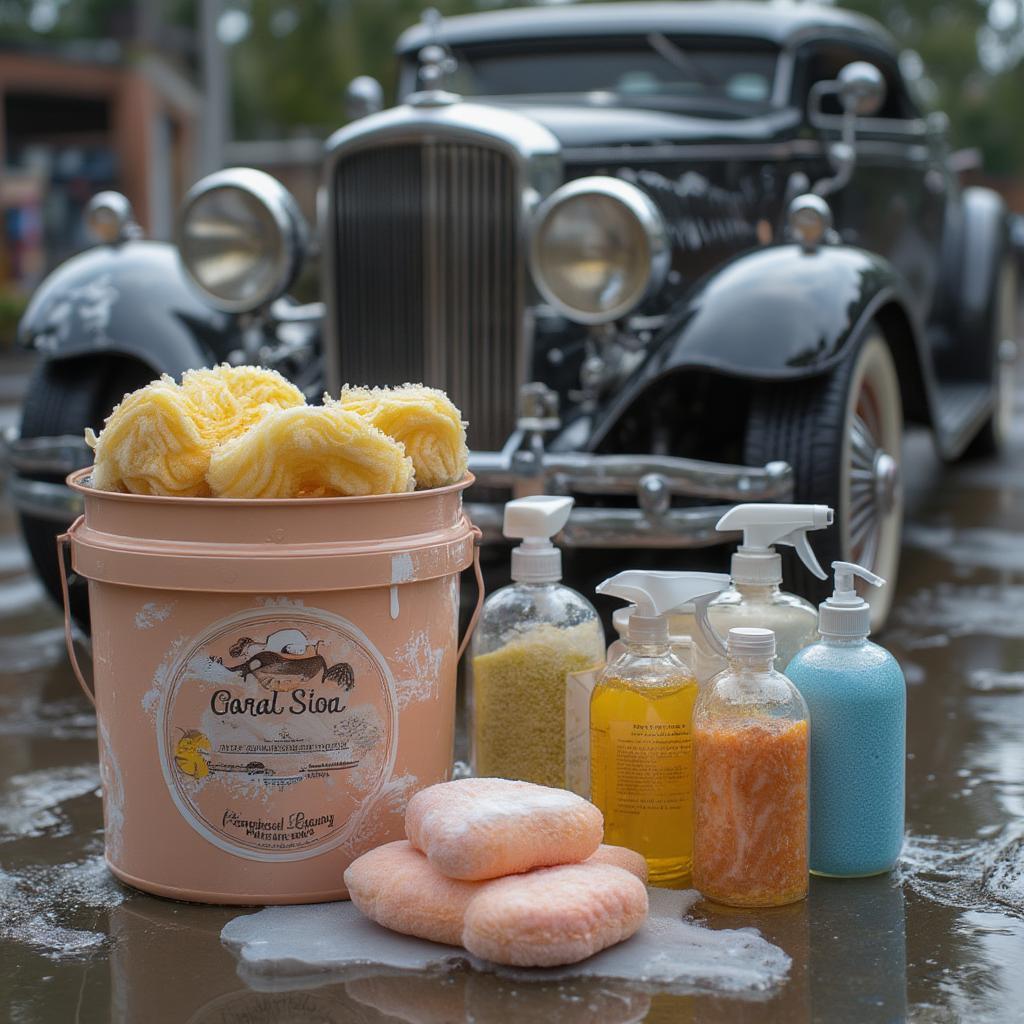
(962, 409)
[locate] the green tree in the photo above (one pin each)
(972, 53)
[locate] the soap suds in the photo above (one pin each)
(42, 906)
(152, 613)
(969, 874)
(402, 569)
(418, 670)
(31, 804)
(669, 951)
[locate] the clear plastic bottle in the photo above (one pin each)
(531, 636)
(685, 637)
(756, 598)
(641, 713)
(751, 766)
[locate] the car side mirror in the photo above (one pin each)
(861, 89)
(364, 96)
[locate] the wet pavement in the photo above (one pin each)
(942, 940)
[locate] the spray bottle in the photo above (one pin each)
(641, 713)
(532, 635)
(755, 598)
(857, 697)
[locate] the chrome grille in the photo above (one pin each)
(429, 275)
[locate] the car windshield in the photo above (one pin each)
(655, 70)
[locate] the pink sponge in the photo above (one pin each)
(554, 916)
(395, 886)
(621, 857)
(474, 829)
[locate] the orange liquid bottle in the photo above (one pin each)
(751, 758)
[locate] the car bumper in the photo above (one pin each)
(652, 481)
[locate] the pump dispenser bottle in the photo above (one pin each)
(640, 724)
(858, 702)
(750, 730)
(755, 597)
(531, 636)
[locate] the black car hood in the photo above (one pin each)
(590, 125)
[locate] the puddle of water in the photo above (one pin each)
(30, 804)
(13, 556)
(975, 548)
(947, 610)
(669, 951)
(19, 594)
(33, 651)
(28, 715)
(987, 680)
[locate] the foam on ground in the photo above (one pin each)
(669, 951)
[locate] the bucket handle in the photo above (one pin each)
(475, 618)
(64, 541)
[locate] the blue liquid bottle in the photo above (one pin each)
(857, 698)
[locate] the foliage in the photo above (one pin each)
(972, 52)
(291, 59)
(12, 306)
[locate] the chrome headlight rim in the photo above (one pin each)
(288, 221)
(652, 224)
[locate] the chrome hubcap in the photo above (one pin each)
(874, 489)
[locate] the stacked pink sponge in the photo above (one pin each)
(514, 872)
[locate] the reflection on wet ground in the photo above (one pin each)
(942, 940)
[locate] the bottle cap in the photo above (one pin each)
(846, 613)
(765, 525)
(535, 520)
(748, 641)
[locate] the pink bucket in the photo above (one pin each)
(273, 680)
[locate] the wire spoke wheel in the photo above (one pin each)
(870, 507)
(842, 433)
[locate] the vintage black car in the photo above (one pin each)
(665, 257)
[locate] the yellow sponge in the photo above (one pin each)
(424, 420)
(151, 444)
(230, 399)
(309, 452)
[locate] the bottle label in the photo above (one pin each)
(650, 763)
(578, 689)
(275, 728)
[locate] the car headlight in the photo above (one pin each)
(599, 248)
(241, 238)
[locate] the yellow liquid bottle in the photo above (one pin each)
(641, 724)
(641, 764)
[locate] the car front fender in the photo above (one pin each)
(777, 313)
(130, 299)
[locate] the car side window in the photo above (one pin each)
(822, 61)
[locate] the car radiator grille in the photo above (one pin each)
(429, 276)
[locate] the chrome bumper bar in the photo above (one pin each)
(526, 467)
(652, 479)
(23, 458)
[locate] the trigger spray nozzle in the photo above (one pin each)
(846, 613)
(766, 525)
(654, 594)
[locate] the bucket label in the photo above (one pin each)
(276, 728)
